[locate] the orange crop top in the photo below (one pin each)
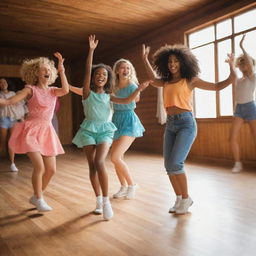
(178, 95)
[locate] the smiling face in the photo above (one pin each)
(124, 71)
(3, 84)
(173, 65)
(100, 77)
(44, 73)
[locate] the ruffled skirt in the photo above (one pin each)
(95, 129)
(35, 136)
(127, 123)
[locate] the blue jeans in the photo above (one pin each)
(180, 133)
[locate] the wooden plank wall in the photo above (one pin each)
(212, 140)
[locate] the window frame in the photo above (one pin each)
(215, 42)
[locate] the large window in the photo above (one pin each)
(211, 46)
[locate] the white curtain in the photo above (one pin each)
(160, 111)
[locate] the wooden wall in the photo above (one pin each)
(212, 140)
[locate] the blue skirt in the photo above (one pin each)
(127, 123)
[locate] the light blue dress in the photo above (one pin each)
(124, 117)
(97, 126)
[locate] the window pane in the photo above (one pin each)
(245, 21)
(205, 101)
(249, 45)
(226, 101)
(202, 36)
(224, 28)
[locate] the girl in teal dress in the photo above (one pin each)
(96, 132)
(128, 125)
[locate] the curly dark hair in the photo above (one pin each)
(109, 83)
(188, 62)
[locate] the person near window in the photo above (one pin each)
(176, 69)
(245, 109)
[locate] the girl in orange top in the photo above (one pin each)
(176, 70)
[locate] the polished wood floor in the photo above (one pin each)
(221, 222)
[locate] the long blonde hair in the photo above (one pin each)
(132, 78)
(29, 70)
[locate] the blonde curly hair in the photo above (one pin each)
(132, 78)
(29, 70)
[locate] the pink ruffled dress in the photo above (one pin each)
(36, 133)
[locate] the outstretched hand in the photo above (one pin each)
(145, 51)
(230, 60)
(144, 85)
(61, 61)
(93, 42)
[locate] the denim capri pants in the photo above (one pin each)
(180, 133)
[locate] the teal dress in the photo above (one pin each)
(97, 127)
(124, 117)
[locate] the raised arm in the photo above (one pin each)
(64, 83)
(76, 90)
(26, 92)
(156, 82)
(131, 97)
(88, 68)
(199, 83)
(247, 58)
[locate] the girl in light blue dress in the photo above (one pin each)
(96, 132)
(128, 125)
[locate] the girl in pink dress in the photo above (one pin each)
(36, 136)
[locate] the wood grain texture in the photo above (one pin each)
(221, 222)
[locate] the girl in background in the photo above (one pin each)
(128, 125)
(245, 103)
(96, 132)
(9, 115)
(36, 136)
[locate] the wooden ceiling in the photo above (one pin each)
(64, 25)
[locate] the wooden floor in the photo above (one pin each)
(222, 220)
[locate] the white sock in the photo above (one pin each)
(105, 199)
(238, 164)
(99, 198)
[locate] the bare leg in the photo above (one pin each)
(118, 150)
(50, 170)
(38, 164)
(236, 126)
(253, 129)
(90, 154)
(182, 181)
(101, 154)
(175, 184)
(11, 153)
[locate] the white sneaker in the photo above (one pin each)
(237, 167)
(176, 204)
(184, 205)
(121, 193)
(99, 204)
(42, 206)
(14, 168)
(107, 211)
(131, 191)
(33, 200)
